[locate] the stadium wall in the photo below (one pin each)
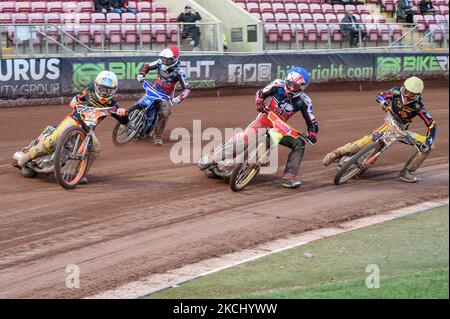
(49, 78)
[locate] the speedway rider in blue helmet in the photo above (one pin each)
(285, 98)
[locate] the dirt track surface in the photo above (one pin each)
(142, 214)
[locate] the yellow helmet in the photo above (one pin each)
(106, 85)
(411, 89)
(414, 85)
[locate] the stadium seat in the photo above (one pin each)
(327, 8)
(322, 32)
(310, 32)
(98, 18)
(268, 18)
(36, 18)
(145, 33)
(278, 8)
(172, 17)
(172, 33)
(159, 33)
(39, 7)
(285, 33)
(331, 18)
(144, 6)
(271, 31)
(143, 17)
(83, 34)
(55, 7)
(129, 33)
(290, 8)
(70, 7)
(83, 17)
(294, 18)
(158, 17)
(7, 7)
(128, 18)
(113, 17)
(113, 33)
(306, 18)
(23, 7)
(85, 6)
(265, 8)
(319, 18)
(97, 33)
(5, 18)
(281, 18)
(303, 8)
(253, 8)
(315, 8)
(339, 9)
(159, 7)
(19, 18)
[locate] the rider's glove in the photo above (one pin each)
(121, 112)
(424, 148)
(176, 101)
(312, 137)
(384, 105)
(140, 77)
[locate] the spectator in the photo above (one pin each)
(121, 6)
(189, 17)
(352, 29)
(426, 7)
(103, 6)
(405, 11)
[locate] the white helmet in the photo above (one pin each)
(106, 85)
(169, 58)
(411, 89)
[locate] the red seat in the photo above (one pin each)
(19, 18)
(271, 31)
(70, 7)
(281, 18)
(294, 18)
(5, 18)
(158, 17)
(303, 8)
(159, 33)
(144, 6)
(172, 17)
(159, 7)
(285, 33)
(113, 33)
(145, 33)
(266, 8)
(113, 17)
(129, 33)
(39, 7)
(310, 32)
(85, 6)
(83, 34)
(83, 17)
(7, 7)
(327, 8)
(172, 33)
(268, 18)
(128, 18)
(143, 17)
(306, 18)
(315, 8)
(253, 8)
(278, 8)
(290, 8)
(55, 6)
(97, 33)
(319, 18)
(67, 17)
(331, 18)
(98, 17)
(23, 7)
(36, 18)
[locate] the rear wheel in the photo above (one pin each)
(123, 134)
(357, 164)
(71, 158)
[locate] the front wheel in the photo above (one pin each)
(123, 134)
(244, 173)
(357, 164)
(71, 158)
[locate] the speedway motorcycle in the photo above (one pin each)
(352, 166)
(71, 158)
(241, 168)
(142, 117)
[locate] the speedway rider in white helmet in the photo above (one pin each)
(169, 74)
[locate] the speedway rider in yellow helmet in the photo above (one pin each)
(406, 103)
(99, 94)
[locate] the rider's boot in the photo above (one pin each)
(158, 141)
(349, 148)
(407, 173)
(288, 181)
(24, 159)
(205, 162)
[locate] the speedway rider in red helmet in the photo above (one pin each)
(169, 74)
(285, 98)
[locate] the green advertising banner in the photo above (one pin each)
(400, 66)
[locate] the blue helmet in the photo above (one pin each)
(296, 81)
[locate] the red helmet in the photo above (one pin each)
(169, 57)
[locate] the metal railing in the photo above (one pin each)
(335, 36)
(100, 39)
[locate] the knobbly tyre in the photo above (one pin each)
(242, 167)
(142, 117)
(71, 158)
(352, 166)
